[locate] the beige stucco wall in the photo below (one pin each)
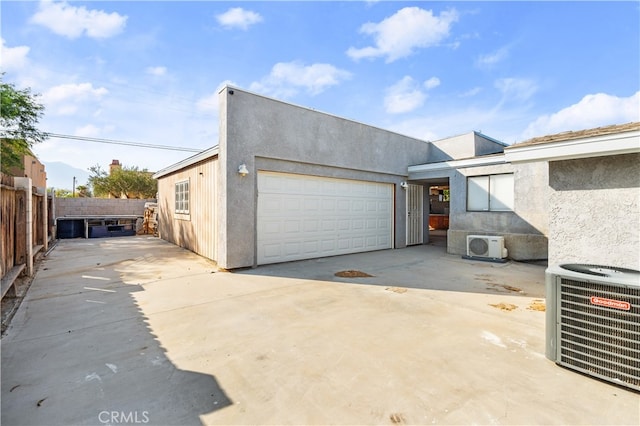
(197, 230)
(595, 211)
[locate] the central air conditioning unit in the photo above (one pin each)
(484, 246)
(593, 321)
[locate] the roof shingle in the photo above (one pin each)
(580, 134)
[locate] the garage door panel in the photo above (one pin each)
(311, 204)
(271, 227)
(292, 204)
(302, 217)
(292, 226)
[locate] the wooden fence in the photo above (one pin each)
(24, 220)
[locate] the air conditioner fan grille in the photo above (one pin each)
(600, 340)
(479, 246)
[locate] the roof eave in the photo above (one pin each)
(201, 156)
(486, 160)
(598, 146)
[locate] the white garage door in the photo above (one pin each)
(303, 217)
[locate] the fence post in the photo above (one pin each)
(51, 216)
(24, 183)
(44, 219)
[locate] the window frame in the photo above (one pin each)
(181, 197)
(490, 193)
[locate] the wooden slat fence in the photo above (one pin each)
(19, 245)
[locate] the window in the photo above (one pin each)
(182, 197)
(490, 193)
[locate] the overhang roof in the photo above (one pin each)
(484, 160)
(201, 156)
(601, 141)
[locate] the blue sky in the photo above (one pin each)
(149, 71)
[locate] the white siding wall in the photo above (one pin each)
(195, 231)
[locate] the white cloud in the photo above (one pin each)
(404, 96)
(156, 71)
(286, 78)
(593, 110)
(14, 58)
(519, 89)
(92, 131)
(491, 59)
(471, 92)
(209, 103)
(65, 99)
(432, 83)
(72, 22)
(237, 17)
(400, 34)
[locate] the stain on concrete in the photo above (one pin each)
(504, 306)
(352, 274)
(537, 305)
(397, 418)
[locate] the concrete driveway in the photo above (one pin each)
(134, 330)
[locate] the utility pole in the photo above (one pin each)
(74, 187)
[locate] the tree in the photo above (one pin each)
(83, 191)
(18, 124)
(122, 182)
(63, 193)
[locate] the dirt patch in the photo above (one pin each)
(397, 419)
(396, 289)
(10, 305)
(495, 285)
(504, 306)
(352, 274)
(500, 287)
(537, 305)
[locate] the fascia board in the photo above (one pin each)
(458, 164)
(622, 143)
(203, 155)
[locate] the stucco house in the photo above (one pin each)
(593, 193)
(288, 183)
(488, 195)
(568, 197)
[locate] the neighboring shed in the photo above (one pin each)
(287, 183)
(190, 222)
(594, 184)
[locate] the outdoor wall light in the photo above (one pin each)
(242, 170)
(404, 185)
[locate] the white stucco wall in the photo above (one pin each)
(595, 211)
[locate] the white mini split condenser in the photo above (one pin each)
(593, 321)
(486, 246)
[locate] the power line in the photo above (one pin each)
(117, 142)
